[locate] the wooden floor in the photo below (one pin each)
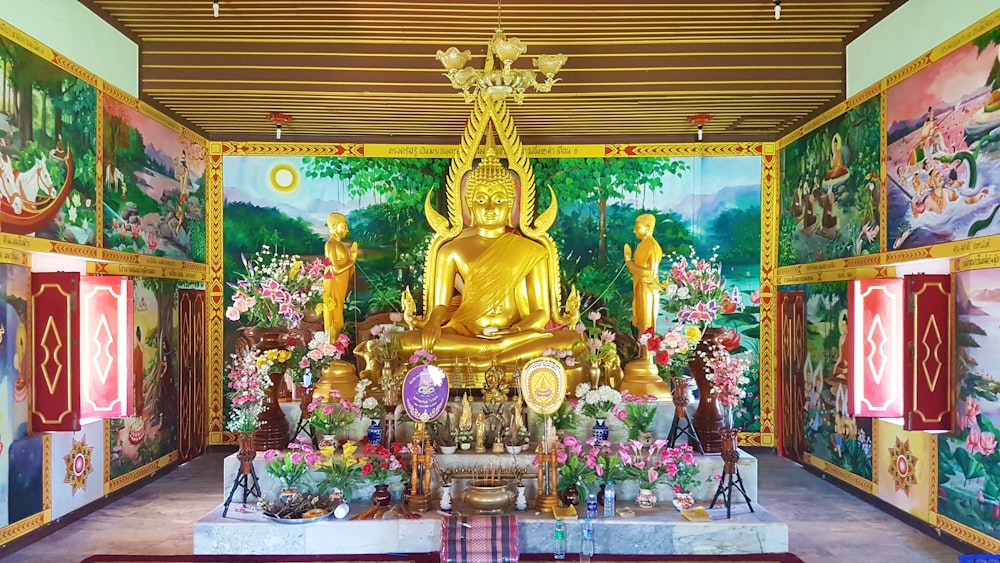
(825, 523)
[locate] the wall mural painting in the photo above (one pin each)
(829, 190)
(47, 131)
(943, 142)
(152, 433)
(154, 185)
(832, 434)
(283, 202)
(904, 468)
(14, 384)
(968, 459)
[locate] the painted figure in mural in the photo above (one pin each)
(183, 175)
(337, 274)
(644, 266)
(138, 364)
(837, 168)
(502, 278)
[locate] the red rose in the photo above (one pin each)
(367, 469)
(367, 450)
(728, 307)
(384, 465)
(292, 342)
(663, 358)
(729, 339)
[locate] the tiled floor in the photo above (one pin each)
(826, 524)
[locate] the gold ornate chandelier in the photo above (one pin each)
(500, 82)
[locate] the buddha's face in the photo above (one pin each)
(338, 227)
(490, 206)
(642, 229)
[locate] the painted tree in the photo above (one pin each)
(990, 39)
(601, 179)
(28, 72)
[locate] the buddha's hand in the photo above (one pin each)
(429, 335)
(628, 252)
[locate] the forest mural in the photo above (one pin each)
(829, 190)
(831, 434)
(943, 145)
(154, 186)
(702, 202)
(47, 155)
(152, 433)
(968, 459)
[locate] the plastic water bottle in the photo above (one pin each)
(587, 548)
(609, 500)
(560, 537)
(591, 506)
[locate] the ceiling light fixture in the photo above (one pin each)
(278, 119)
(499, 82)
(215, 8)
(700, 120)
(777, 9)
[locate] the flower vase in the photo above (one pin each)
(448, 450)
(375, 432)
(683, 501)
(329, 441)
(707, 419)
(246, 453)
(521, 503)
(646, 498)
(272, 434)
(600, 495)
(594, 373)
(446, 498)
(646, 438)
(570, 496)
(600, 431)
(728, 416)
(305, 397)
(381, 496)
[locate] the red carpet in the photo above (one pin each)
(429, 558)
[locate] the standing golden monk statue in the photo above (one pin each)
(337, 273)
(644, 266)
(641, 376)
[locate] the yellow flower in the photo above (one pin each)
(693, 334)
(284, 355)
(294, 270)
(318, 309)
(348, 456)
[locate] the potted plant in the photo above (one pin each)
(463, 438)
(378, 464)
(329, 416)
(682, 474)
(597, 404)
(291, 469)
(572, 471)
(340, 473)
(370, 408)
(637, 414)
(276, 289)
(443, 435)
(647, 466)
(598, 345)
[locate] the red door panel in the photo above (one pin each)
(55, 392)
(106, 347)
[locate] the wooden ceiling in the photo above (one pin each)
(366, 71)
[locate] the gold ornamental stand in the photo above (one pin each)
(546, 499)
(420, 473)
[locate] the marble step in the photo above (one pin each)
(661, 530)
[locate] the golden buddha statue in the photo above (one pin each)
(640, 376)
(337, 272)
(491, 286)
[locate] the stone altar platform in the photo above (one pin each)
(661, 530)
(709, 465)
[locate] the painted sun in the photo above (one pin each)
(284, 177)
(79, 464)
(902, 466)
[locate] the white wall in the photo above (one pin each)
(75, 32)
(910, 31)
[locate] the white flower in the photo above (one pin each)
(369, 403)
(582, 390)
(233, 314)
(671, 291)
(683, 293)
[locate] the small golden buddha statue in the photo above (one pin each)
(481, 433)
(337, 272)
(640, 376)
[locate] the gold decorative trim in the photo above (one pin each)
(933, 472)
(119, 269)
(837, 275)
(16, 257)
(214, 292)
(876, 441)
(47, 476)
(22, 244)
(769, 210)
(144, 471)
(99, 173)
(21, 527)
(989, 544)
(883, 194)
(107, 456)
(287, 149)
(840, 473)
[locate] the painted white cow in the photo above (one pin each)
(31, 183)
(8, 183)
(114, 178)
